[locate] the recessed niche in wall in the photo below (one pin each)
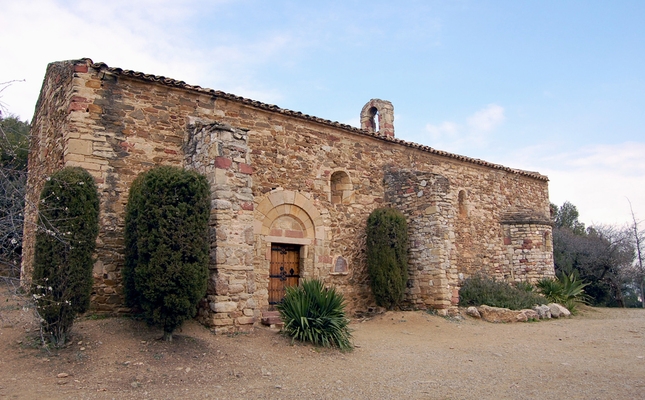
(342, 190)
(340, 266)
(463, 210)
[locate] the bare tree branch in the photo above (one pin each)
(639, 274)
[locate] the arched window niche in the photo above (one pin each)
(547, 243)
(342, 190)
(340, 266)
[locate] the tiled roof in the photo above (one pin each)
(296, 114)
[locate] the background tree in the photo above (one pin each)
(637, 272)
(387, 255)
(566, 217)
(14, 138)
(599, 255)
(65, 242)
(166, 237)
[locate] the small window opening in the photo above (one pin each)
(374, 119)
(463, 211)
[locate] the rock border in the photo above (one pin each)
(505, 315)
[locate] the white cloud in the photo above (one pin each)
(456, 137)
(626, 158)
(155, 37)
(487, 119)
(444, 130)
(47, 31)
(597, 179)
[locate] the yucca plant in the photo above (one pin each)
(551, 289)
(313, 313)
(567, 290)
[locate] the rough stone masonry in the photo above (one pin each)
(284, 185)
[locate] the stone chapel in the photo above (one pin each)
(290, 192)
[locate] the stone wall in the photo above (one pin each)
(529, 247)
(115, 127)
(304, 155)
(423, 198)
(47, 147)
(278, 176)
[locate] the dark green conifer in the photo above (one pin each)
(387, 255)
(166, 238)
(65, 242)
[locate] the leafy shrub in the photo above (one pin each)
(567, 290)
(65, 241)
(387, 255)
(166, 238)
(524, 286)
(312, 313)
(478, 290)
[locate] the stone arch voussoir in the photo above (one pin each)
(280, 202)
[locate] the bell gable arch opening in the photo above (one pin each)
(377, 116)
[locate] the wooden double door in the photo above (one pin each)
(284, 270)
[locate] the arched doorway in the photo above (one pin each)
(290, 240)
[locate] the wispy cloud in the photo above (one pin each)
(487, 119)
(627, 158)
(457, 137)
(149, 36)
(444, 130)
(597, 179)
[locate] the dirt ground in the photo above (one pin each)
(597, 355)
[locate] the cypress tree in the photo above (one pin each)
(166, 237)
(65, 242)
(387, 255)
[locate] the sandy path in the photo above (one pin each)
(599, 355)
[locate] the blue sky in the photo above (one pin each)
(551, 86)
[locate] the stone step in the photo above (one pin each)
(271, 318)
